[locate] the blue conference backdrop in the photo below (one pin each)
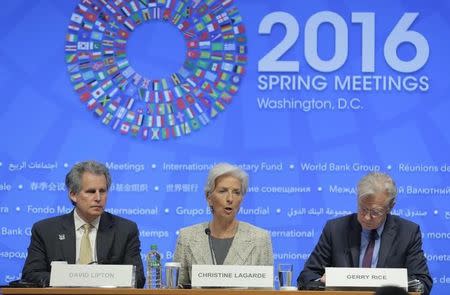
(307, 96)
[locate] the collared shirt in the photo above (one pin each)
(79, 233)
(365, 236)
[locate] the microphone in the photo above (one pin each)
(213, 256)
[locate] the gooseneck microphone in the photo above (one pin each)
(213, 256)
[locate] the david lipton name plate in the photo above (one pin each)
(232, 276)
(95, 275)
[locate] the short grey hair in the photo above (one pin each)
(225, 169)
(377, 182)
(73, 178)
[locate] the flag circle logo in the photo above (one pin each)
(168, 107)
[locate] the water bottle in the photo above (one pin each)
(154, 268)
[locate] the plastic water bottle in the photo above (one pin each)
(154, 268)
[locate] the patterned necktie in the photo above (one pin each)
(367, 259)
(85, 246)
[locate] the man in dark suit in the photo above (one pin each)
(86, 235)
(370, 238)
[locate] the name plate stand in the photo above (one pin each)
(361, 278)
(94, 275)
(232, 276)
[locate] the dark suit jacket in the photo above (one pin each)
(53, 239)
(339, 246)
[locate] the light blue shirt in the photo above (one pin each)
(365, 236)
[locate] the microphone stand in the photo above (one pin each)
(213, 256)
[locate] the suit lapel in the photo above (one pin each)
(241, 247)
(354, 240)
(387, 240)
(105, 238)
(201, 252)
(67, 238)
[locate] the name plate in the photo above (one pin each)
(351, 277)
(95, 275)
(232, 276)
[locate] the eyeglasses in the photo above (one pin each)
(374, 213)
